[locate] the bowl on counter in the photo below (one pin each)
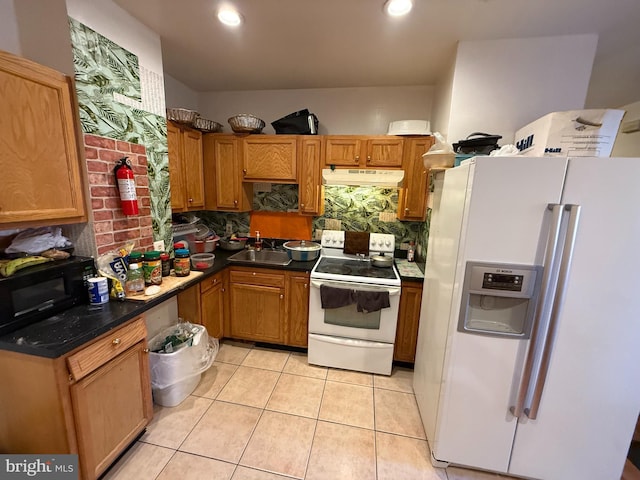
(232, 244)
(202, 261)
(302, 251)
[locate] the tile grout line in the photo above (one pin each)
(315, 429)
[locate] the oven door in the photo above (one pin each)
(347, 322)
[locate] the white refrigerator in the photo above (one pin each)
(543, 384)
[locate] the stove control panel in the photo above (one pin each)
(378, 242)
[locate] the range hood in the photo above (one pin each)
(378, 178)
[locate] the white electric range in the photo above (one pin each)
(352, 331)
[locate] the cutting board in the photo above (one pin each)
(168, 284)
(291, 226)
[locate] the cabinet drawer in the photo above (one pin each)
(256, 277)
(100, 352)
(210, 282)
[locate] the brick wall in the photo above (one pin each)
(111, 227)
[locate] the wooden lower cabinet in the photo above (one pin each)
(205, 303)
(408, 322)
(256, 304)
(93, 401)
(298, 308)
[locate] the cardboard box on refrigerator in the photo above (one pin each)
(574, 133)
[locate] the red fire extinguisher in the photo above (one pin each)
(127, 186)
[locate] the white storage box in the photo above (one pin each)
(574, 133)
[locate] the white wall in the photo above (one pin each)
(359, 111)
(502, 85)
(441, 112)
(9, 40)
(628, 144)
(178, 95)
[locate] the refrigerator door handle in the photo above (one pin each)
(542, 315)
(563, 276)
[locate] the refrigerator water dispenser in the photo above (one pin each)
(499, 299)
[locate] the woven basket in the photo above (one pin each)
(246, 123)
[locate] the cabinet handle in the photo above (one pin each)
(190, 200)
(302, 205)
(368, 158)
(281, 296)
(306, 285)
(358, 158)
(253, 273)
(235, 202)
(145, 350)
(406, 210)
(244, 171)
(116, 341)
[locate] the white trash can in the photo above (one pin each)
(175, 375)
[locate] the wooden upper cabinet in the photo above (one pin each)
(185, 168)
(270, 158)
(224, 189)
(310, 182)
(39, 146)
(363, 151)
(413, 195)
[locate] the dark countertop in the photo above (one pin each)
(62, 333)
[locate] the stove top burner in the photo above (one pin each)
(337, 269)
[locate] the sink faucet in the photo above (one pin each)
(271, 244)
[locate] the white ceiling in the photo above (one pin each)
(289, 44)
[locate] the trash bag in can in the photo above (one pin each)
(178, 356)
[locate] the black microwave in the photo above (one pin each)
(41, 291)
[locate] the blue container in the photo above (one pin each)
(98, 290)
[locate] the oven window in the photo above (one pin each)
(349, 316)
(30, 298)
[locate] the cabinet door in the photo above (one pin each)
(222, 164)
(298, 314)
(111, 407)
(176, 167)
(40, 162)
(342, 150)
(413, 195)
(384, 152)
(193, 172)
(189, 304)
(212, 300)
(408, 321)
(256, 305)
(310, 184)
(270, 158)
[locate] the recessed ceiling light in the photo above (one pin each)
(229, 16)
(397, 8)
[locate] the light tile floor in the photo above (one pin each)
(261, 414)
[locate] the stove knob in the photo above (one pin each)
(387, 243)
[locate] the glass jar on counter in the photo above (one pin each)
(166, 264)
(152, 268)
(182, 262)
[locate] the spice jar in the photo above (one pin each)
(182, 263)
(166, 264)
(152, 268)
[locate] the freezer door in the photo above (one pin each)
(505, 210)
(591, 395)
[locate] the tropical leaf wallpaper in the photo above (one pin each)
(104, 72)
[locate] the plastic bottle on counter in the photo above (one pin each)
(182, 263)
(134, 284)
(411, 252)
(258, 244)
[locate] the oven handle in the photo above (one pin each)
(348, 341)
(393, 291)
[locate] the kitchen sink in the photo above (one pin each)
(262, 257)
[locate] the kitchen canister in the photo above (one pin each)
(152, 268)
(98, 290)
